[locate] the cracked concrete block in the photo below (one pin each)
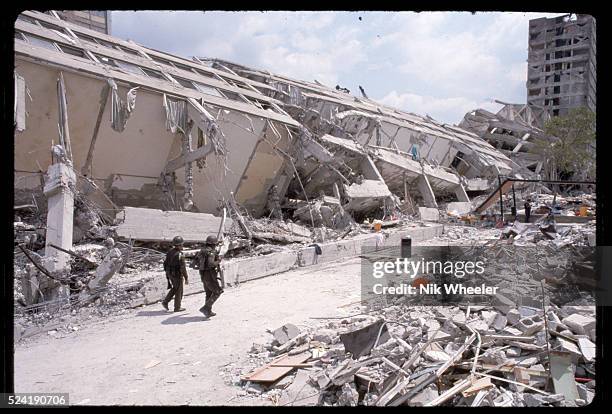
(513, 351)
(285, 333)
(580, 324)
(569, 346)
(512, 331)
(488, 317)
(500, 322)
(587, 348)
(513, 316)
(494, 357)
(530, 325)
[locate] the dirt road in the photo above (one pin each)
(105, 364)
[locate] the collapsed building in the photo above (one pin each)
(514, 131)
(168, 114)
(415, 157)
(191, 140)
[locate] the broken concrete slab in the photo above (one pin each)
(429, 214)
(148, 224)
(580, 324)
(285, 333)
(301, 392)
(361, 341)
(587, 348)
(562, 371)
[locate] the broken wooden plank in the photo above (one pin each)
(477, 386)
(272, 373)
(292, 365)
(460, 386)
(521, 375)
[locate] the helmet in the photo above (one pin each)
(109, 242)
(177, 241)
(211, 240)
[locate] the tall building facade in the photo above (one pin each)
(561, 71)
(98, 20)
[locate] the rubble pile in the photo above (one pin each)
(428, 356)
(566, 206)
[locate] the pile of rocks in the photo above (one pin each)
(439, 355)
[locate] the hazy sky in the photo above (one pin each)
(442, 64)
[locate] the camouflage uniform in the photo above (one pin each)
(176, 271)
(208, 262)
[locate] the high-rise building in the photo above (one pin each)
(561, 71)
(98, 20)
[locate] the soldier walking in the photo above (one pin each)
(174, 266)
(208, 261)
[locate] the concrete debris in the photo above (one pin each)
(505, 374)
(285, 333)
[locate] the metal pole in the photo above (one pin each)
(501, 201)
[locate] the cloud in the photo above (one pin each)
(441, 62)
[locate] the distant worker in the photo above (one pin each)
(527, 210)
(274, 203)
(363, 92)
(414, 152)
(174, 266)
(207, 261)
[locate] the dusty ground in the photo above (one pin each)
(104, 363)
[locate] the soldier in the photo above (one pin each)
(174, 265)
(207, 261)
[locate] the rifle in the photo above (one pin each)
(220, 241)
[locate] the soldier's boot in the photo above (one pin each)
(165, 306)
(205, 312)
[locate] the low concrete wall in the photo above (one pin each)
(339, 250)
(241, 270)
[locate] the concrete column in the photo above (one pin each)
(429, 199)
(59, 190)
(461, 194)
